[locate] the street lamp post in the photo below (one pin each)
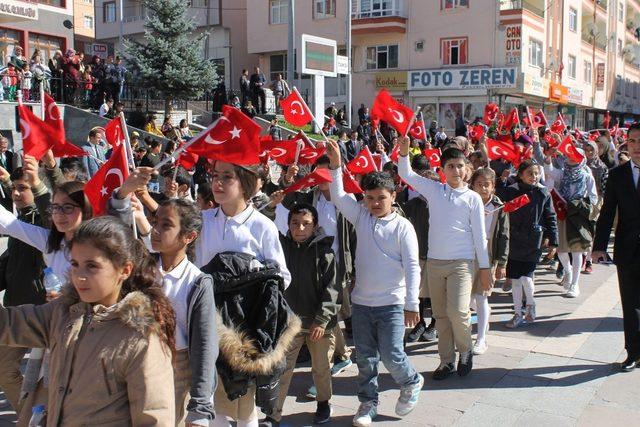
(348, 46)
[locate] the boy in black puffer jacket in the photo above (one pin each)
(313, 296)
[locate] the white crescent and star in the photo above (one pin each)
(309, 155)
(113, 171)
(397, 115)
(294, 110)
(366, 162)
(26, 129)
(277, 152)
(51, 109)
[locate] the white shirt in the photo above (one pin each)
(177, 285)
(456, 218)
(328, 220)
(635, 172)
(249, 232)
(37, 237)
(104, 109)
(387, 265)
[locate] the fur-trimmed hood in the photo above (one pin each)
(241, 353)
(135, 310)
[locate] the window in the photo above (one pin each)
(109, 12)
(572, 66)
(277, 65)
(619, 85)
(619, 47)
(621, 11)
(88, 1)
(56, 3)
(279, 11)
(374, 8)
(573, 20)
(324, 9)
(587, 72)
(454, 51)
(9, 39)
(453, 4)
(46, 45)
(535, 53)
(88, 22)
(381, 57)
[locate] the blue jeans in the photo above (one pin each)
(378, 333)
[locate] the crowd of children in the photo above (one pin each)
(231, 274)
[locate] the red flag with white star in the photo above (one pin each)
(295, 110)
(363, 163)
(397, 115)
(318, 176)
(433, 154)
(568, 148)
(113, 132)
(110, 176)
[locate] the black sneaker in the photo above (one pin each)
(416, 332)
(443, 371)
(430, 334)
(268, 422)
(465, 364)
(323, 413)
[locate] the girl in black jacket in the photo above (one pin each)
(530, 228)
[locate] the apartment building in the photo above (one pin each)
(45, 25)
(223, 20)
(450, 57)
(84, 28)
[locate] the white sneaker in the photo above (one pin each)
(367, 411)
(409, 397)
(566, 281)
(574, 291)
(480, 347)
(530, 314)
(515, 321)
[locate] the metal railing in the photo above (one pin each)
(372, 9)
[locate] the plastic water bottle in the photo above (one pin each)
(51, 281)
(37, 416)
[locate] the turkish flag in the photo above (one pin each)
(375, 123)
(187, 160)
(594, 136)
(283, 152)
(607, 120)
(114, 133)
(510, 120)
(491, 111)
(37, 136)
(110, 176)
(418, 130)
(433, 154)
(304, 139)
(377, 158)
(397, 115)
(476, 132)
(517, 203)
(559, 204)
(614, 131)
(395, 153)
(52, 113)
(310, 155)
(234, 138)
(58, 143)
(295, 110)
(501, 150)
(536, 120)
(349, 183)
(567, 148)
(318, 176)
(558, 126)
(363, 163)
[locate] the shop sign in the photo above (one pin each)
(575, 96)
(460, 78)
(600, 76)
(535, 85)
(392, 80)
(342, 64)
(513, 42)
(558, 93)
(19, 9)
(98, 49)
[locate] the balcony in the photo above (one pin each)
(591, 31)
(534, 6)
(378, 16)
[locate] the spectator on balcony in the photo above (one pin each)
(183, 128)
(245, 86)
(341, 118)
(99, 74)
(111, 78)
(105, 108)
(40, 71)
(55, 66)
(71, 75)
(150, 126)
(88, 81)
(256, 84)
(235, 102)
(17, 58)
(331, 110)
(280, 89)
(120, 72)
(166, 127)
(249, 109)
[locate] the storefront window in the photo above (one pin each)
(448, 114)
(9, 39)
(45, 44)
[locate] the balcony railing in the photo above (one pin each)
(600, 44)
(522, 4)
(363, 9)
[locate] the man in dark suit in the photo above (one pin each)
(622, 194)
(256, 83)
(6, 162)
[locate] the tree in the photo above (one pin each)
(170, 57)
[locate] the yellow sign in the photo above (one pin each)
(392, 80)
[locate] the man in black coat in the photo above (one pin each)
(257, 83)
(622, 194)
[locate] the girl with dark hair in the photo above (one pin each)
(530, 227)
(69, 208)
(111, 334)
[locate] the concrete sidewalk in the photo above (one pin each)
(556, 372)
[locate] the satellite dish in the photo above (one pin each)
(68, 24)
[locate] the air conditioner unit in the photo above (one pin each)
(419, 46)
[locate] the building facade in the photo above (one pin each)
(84, 26)
(451, 57)
(43, 25)
(223, 20)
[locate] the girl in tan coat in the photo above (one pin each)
(111, 334)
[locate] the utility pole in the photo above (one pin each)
(349, 111)
(593, 64)
(291, 63)
(121, 38)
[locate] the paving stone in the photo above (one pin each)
(482, 414)
(598, 416)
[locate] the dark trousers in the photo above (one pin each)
(629, 283)
(260, 101)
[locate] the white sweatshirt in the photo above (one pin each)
(456, 218)
(387, 266)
